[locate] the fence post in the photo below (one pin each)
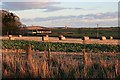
(49, 53)
(85, 56)
(29, 51)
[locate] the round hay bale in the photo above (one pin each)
(47, 36)
(61, 37)
(9, 35)
(103, 38)
(85, 38)
(19, 35)
(11, 38)
(111, 37)
(44, 38)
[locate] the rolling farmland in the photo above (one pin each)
(72, 57)
(59, 60)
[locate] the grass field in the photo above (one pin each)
(80, 32)
(91, 32)
(80, 65)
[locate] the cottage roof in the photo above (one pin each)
(34, 28)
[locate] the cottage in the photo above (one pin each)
(35, 30)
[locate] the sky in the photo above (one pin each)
(71, 13)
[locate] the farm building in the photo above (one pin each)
(34, 30)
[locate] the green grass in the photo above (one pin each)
(77, 32)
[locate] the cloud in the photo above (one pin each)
(60, 0)
(75, 23)
(108, 15)
(27, 0)
(47, 6)
(16, 6)
(53, 8)
(106, 19)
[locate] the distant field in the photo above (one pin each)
(91, 32)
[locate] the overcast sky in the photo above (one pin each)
(53, 13)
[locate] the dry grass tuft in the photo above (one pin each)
(60, 66)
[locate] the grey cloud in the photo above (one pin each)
(48, 6)
(77, 20)
(103, 15)
(77, 8)
(108, 15)
(53, 8)
(16, 6)
(73, 23)
(48, 18)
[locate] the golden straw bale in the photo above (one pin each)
(111, 37)
(19, 35)
(85, 38)
(103, 38)
(61, 37)
(45, 38)
(10, 37)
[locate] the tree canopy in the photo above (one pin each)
(10, 22)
